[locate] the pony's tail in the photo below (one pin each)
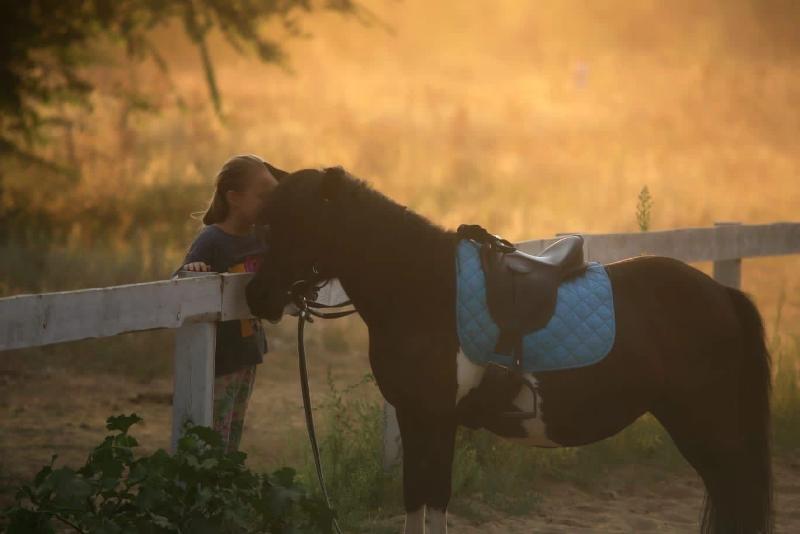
(755, 506)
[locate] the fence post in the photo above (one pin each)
(193, 375)
(392, 444)
(728, 272)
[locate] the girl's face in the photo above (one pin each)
(247, 204)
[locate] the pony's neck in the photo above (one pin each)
(393, 262)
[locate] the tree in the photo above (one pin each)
(45, 46)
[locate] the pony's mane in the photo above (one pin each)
(360, 196)
(360, 221)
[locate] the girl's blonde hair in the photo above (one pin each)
(234, 175)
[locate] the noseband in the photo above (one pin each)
(304, 292)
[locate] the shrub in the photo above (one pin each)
(199, 489)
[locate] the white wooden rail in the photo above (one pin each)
(193, 305)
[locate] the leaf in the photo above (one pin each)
(209, 463)
(105, 526)
(122, 422)
(198, 524)
(284, 476)
(70, 489)
(124, 440)
(106, 463)
(149, 497)
(206, 435)
(24, 521)
(163, 522)
(45, 471)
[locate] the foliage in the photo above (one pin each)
(200, 488)
(643, 209)
(785, 399)
(45, 44)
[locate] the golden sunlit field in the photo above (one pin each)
(529, 118)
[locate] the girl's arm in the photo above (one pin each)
(199, 257)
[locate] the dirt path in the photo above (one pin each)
(48, 412)
(634, 502)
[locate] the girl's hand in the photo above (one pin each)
(197, 266)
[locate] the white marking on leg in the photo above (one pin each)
(437, 521)
(469, 376)
(535, 427)
(415, 521)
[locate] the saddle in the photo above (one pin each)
(522, 289)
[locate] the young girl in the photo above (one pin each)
(231, 241)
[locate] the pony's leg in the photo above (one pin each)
(441, 465)
(721, 425)
(428, 444)
(412, 438)
(415, 521)
(710, 437)
(438, 521)
(704, 450)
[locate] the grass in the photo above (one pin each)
(786, 398)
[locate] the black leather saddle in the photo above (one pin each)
(522, 289)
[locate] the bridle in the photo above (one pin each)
(303, 293)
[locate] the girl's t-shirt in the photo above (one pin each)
(239, 342)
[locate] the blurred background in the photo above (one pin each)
(529, 118)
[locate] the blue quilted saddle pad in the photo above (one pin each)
(580, 332)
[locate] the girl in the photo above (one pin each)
(231, 241)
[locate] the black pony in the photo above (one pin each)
(687, 349)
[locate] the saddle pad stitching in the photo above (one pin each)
(580, 333)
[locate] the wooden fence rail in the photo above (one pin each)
(192, 305)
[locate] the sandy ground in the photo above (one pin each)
(46, 412)
(634, 502)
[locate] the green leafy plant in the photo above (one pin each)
(199, 489)
(644, 209)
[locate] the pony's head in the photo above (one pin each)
(301, 212)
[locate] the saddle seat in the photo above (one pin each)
(522, 289)
(564, 255)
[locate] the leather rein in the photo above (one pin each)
(303, 293)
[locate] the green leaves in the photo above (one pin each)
(199, 489)
(122, 422)
(47, 47)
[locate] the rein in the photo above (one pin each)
(300, 293)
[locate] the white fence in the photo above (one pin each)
(193, 305)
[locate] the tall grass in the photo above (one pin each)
(351, 449)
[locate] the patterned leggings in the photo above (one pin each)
(231, 394)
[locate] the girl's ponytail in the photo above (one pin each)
(217, 210)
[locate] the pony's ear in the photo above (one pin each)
(332, 181)
(276, 172)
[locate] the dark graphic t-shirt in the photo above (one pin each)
(239, 342)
